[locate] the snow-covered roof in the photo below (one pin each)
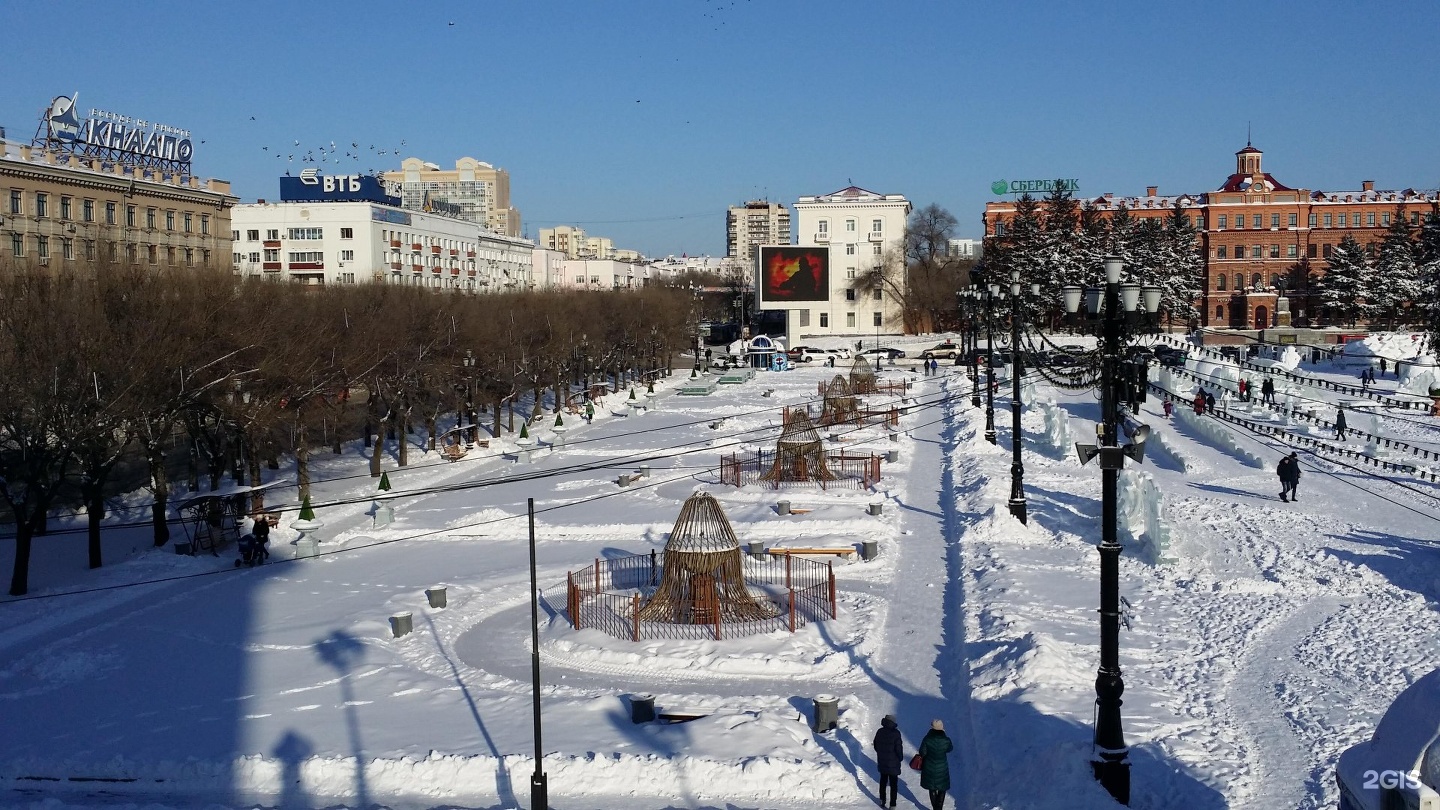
(1242, 182)
(1373, 195)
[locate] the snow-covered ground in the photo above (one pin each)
(1276, 638)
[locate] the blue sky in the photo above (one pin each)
(642, 121)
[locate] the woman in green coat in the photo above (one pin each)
(935, 770)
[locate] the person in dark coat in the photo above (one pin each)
(935, 772)
(1200, 402)
(1209, 402)
(1267, 391)
(1340, 424)
(889, 754)
(1289, 472)
(261, 530)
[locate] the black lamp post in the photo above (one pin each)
(468, 362)
(539, 783)
(992, 293)
(969, 304)
(1017, 368)
(1111, 312)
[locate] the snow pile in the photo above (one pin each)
(1389, 345)
(1213, 431)
(1420, 376)
(1220, 372)
(1142, 516)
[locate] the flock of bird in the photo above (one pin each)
(334, 153)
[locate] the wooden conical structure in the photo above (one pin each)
(862, 377)
(839, 407)
(703, 580)
(799, 452)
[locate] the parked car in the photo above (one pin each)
(725, 362)
(942, 351)
(811, 354)
(884, 351)
(977, 357)
(1063, 359)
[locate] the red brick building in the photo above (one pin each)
(1254, 230)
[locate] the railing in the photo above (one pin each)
(861, 471)
(609, 594)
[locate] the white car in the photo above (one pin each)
(810, 354)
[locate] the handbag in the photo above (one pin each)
(917, 762)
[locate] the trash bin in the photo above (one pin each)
(827, 712)
(644, 471)
(892, 456)
(183, 548)
(401, 624)
(875, 507)
(869, 549)
(435, 596)
(757, 549)
(642, 708)
(783, 507)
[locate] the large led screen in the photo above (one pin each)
(794, 274)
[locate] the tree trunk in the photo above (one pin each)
(94, 512)
(237, 459)
(160, 485)
(192, 467)
(375, 448)
(430, 432)
(496, 431)
(404, 432)
(302, 458)
(257, 499)
(20, 573)
(511, 407)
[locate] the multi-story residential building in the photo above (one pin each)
(359, 235)
(964, 248)
(548, 268)
(753, 224)
(576, 244)
(481, 191)
(859, 231)
(60, 209)
(1259, 236)
(604, 274)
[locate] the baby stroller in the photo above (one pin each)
(252, 551)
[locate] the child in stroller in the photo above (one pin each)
(252, 551)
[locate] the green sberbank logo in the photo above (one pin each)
(1041, 186)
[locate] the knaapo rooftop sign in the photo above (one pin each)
(1026, 186)
(113, 137)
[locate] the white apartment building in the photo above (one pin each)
(604, 274)
(548, 268)
(862, 229)
(576, 244)
(964, 248)
(358, 242)
(481, 191)
(753, 224)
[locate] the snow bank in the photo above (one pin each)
(1219, 435)
(1419, 376)
(1389, 345)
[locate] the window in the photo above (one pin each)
(824, 320)
(170, 220)
(849, 250)
(347, 278)
(90, 250)
(65, 208)
(1274, 280)
(1385, 219)
(1370, 219)
(999, 229)
(1219, 312)
(1329, 221)
(1255, 251)
(42, 204)
(1239, 282)
(1325, 253)
(1292, 251)
(204, 224)
(1414, 217)
(1274, 220)
(150, 218)
(1255, 281)
(824, 226)
(1313, 219)
(130, 254)
(850, 294)
(876, 318)
(1345, 219)
(67, 248)
(1255, 220)
(42, 246)
(1294, 220)
(849, 226)
(878, 295)
(254, 257)
(850, 273)
(876, 250)
(17, 245)
(234, 236)
(129, 216)
(152, 253)
(109, 213)
(1220, 252)
(239, 257)
(347, 255)
(1274, 251)
(1239, 251)
(272, 234)
(877, 225)
(347, 233)
(1220, 283)
(17, 201)
(170, 256)
(187, 222)
(272, 254)
(307, 233)
(252, 236)
(87, 210)
(850, 319)
(1311, 250)
(189, 257)
(1224, 221)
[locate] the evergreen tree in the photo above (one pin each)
(1090, 246)
(1428, 260)
(1397, 274)
(1021, 249)
(1122, 234)
(1344, 289)
(1181, 267)
(1059, 246)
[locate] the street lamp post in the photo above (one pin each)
(1111, 311)
(992, 293)
(877, 344)
(469, 363)
(970, 302)
(1017, 366)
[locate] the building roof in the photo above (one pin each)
(1241, 182)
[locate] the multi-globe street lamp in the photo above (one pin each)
(1115, 312)
(1017, 367)
(969, 308)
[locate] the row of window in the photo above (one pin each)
(1255, 281)
(273, 255)
(875, 317)
(850, 250)
(43, 247)
(273, 234)
(1331, 220)
(876, 226)
(87, 212)
(1312, 251)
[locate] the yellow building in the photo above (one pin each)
(481, 190)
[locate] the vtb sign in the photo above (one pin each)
(1025, 186)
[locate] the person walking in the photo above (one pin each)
(935, 768)
(1267, 392)
(1289, 473)
(1340, 423)
(1209, 402)
(589, 412)
(260, 529)
(1382, 368)
(1169, 408)
(1200, 402)
(889, 754)
(1244, 387)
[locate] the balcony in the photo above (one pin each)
(272, 243)
(419, 268)
(454, 252)
(394, 265)
(470, 254)
(435, 249)
(416, 246)
(394, 243)
(877, 236)
(270, 266)
(822, 237)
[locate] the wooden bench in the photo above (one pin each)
(838, 551)
(272, 519)
(483, 443)
(453, 452)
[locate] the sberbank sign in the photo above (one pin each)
(1023, 186)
